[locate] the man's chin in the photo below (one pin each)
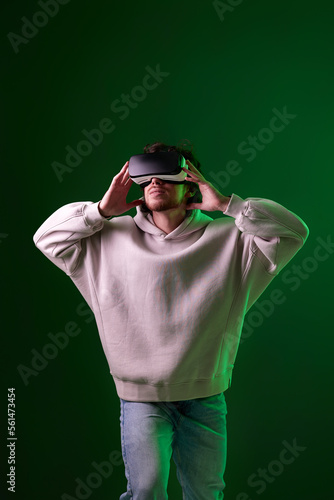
(158, 206)
(161, 206)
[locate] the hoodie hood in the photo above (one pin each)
(194, 221)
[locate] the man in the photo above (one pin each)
(169, 289)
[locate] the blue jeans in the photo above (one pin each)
(192, 432)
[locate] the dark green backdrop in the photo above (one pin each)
(226, 69)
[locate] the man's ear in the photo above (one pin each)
(189, 193)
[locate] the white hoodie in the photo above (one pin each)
(170, 307)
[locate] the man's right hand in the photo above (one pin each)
(114, 201)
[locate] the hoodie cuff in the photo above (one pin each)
(92, 215)
(235, 206)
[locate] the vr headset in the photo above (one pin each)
(166, 166)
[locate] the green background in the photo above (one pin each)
(226, 74)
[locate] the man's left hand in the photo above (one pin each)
(212, 199)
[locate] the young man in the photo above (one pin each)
(169, 289)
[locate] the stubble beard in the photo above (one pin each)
(162, 205)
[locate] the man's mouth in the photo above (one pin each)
(157, 191)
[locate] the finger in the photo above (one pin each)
(193, 178)
(191, 166)
(120, 174)
(189, 172)
(194, 206)
(126, 176)
(128, 181)
(123, 169)
(118, 178)
(135, 203)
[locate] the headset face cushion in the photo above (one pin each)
(166, 166)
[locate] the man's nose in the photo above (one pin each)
(155, 180)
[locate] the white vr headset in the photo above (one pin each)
(166, 166)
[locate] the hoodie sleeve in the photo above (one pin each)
(59, 237)
(276, 233)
